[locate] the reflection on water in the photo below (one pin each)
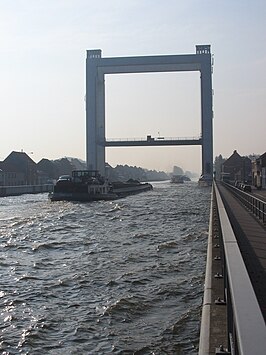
(121, 277)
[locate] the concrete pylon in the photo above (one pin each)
(95, 113)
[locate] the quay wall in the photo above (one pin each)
(213, 330)
(24, 189)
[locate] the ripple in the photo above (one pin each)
(85, 278)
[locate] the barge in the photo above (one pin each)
(89, 185)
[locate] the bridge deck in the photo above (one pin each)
(251, 236)
(152, 142)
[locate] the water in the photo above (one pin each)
(120, 277)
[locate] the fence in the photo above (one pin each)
(254, 204)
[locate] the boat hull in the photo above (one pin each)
(117, 192)
(131, 190)
(82, 197)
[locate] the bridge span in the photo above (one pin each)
(234, 304)
(151, 141)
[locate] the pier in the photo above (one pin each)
(234, 304)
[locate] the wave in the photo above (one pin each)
(120, 277)
(127, 307)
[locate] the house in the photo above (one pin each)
(10, 177)
(259, 172)
(263, 170)
(2, 178)
(218, 164)
(238, 168)
(19, 169)
(47, 171)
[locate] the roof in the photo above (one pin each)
(18, 162)
(235, 157)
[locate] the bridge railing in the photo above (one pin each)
(254, 204)
(145, 139)
(246, 328)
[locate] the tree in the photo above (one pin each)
(177, 170)
(218, 162)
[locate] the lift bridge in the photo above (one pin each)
(96, 69)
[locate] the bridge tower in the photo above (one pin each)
(97, 67)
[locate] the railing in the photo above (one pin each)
(245, 323)
(142, 139)
(254, 204)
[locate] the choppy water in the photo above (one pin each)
(121, 277)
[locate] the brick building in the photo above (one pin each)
(238, 168)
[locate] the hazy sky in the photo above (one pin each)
(43, 47)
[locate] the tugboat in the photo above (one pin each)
(89, 185)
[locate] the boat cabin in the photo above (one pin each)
(87, 177)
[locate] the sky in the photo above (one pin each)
(43, 47)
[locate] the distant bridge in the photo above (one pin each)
(151, 141)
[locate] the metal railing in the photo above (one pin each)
(254, 204)
(144, 139)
